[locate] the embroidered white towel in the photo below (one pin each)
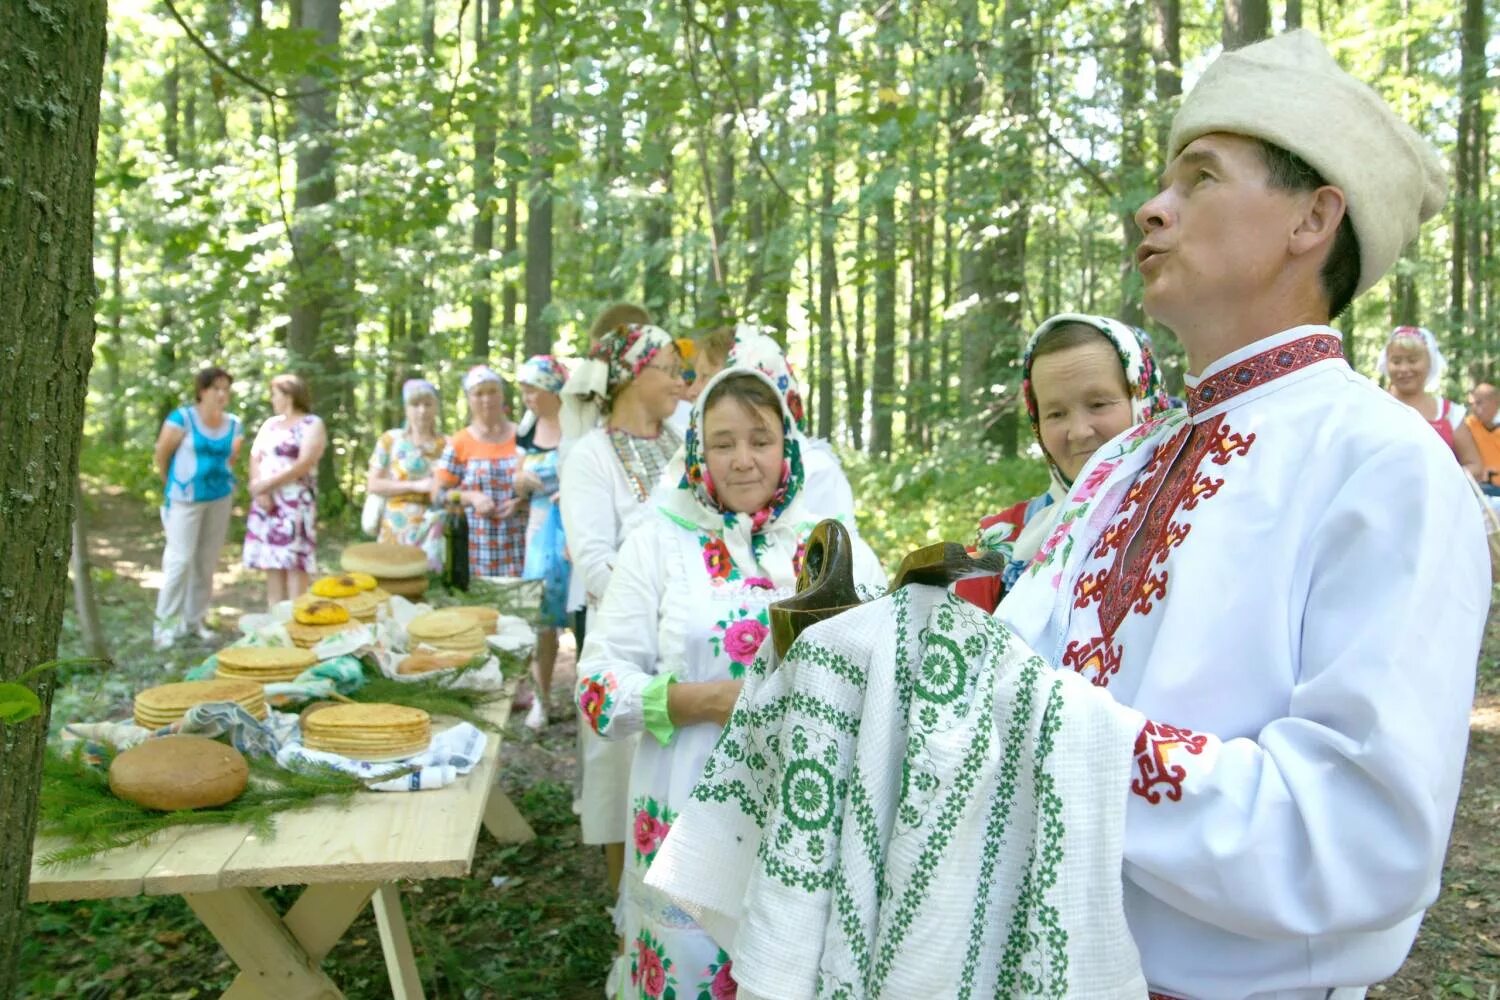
(913, 805)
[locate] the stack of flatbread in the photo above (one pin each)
(264, 664)
(397, 569)
(168, 703)
(486, 618)
(373, 732)
(356, 593)
(316, 618)
(447, 631)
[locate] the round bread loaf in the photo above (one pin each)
(179, 772)
(385, 561)
(411, 586)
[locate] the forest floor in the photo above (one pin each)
(531, 920)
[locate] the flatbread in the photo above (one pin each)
(385, 560)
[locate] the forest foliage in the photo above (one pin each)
(367, 189)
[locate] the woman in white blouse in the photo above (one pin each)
(686, 610)
(616, 443)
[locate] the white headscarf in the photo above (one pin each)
(615, 360)
(1436, 363)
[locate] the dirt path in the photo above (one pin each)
(1457, 953)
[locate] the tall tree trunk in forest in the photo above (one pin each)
(1245, 21)
(481, 309)
(854, 367)
(509, 298)
(717, 307)
(317, 267)
(1466, 177)
(539, 195)
(1293, 14)
(828, 276)
(656, 282)
(114, 427)
(1168, 63)
(1134, 184)
(917, 407)
(883, 376)
(969, 157)
(85, 604)
(48, 134)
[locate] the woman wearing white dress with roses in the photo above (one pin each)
(705, 569)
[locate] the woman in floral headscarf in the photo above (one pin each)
(615, 405)
(541, 379)
(1085, 379)
(685, 612)
(1412, 366)
(480, 463)
(401, 470)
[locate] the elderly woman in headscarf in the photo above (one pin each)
(401, 469)
(1085, 380)
(615, 405)
(541, 379)
(685, 611)
(1413, 366)
(480, 463)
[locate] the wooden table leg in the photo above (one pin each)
(395, 943)
(504, 820)
(316, 921)
(272, 962)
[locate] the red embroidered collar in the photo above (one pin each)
(1265, 367)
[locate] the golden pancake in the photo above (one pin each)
(368, 731)
(167, 703)
(248, 660)
(335, 586)
(308, 636)
(440, 624)
(362, 605)
(422, 663)
(485, 617)
(319, 611)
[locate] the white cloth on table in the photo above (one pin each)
(1300, 622)
(451, 755)
(912, 805)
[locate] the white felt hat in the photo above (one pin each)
(1288, 91)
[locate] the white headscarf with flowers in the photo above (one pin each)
(763, 543)
(615, 360)
(1436, 363)
(755, 349)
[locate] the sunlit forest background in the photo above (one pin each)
(363, 190)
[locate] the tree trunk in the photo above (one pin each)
(1465, 172)
(1293, 14)
(1245, 21)
(318, 267)
(656, 283)
(509, 298)
(828, 277)
(854, 367)
(48, 134)
(883, 377)
(1134, 184)
(481, 309)
(539, 197)
(85, 604)
(1168, 60)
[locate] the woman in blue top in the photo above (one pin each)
(194, 452)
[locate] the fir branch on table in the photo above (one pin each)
(435, 697)
(76, 804)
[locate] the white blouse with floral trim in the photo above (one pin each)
(709, 619)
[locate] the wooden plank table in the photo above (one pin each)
(346, 857)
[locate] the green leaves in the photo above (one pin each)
(19, 703)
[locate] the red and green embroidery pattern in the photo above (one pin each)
(649, 828)
(651, 969)
(596, 699)
(719, 984)
(739, 637)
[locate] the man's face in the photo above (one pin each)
(1215, 236)
(1485, 402)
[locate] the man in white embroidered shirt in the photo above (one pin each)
(1290, 580)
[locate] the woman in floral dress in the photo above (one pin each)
(281, 530)
(704, 570)
(401, 470)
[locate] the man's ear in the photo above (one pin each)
(1321, 216)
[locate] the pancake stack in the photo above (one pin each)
(447, 631)
(486, 618)
(264, 664)
(397, 569)
(168, 703)
(316, 618)
(374, 732)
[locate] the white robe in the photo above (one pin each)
(1307, 614)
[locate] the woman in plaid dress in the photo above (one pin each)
(481, 462)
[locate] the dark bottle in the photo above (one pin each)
(456, 537)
